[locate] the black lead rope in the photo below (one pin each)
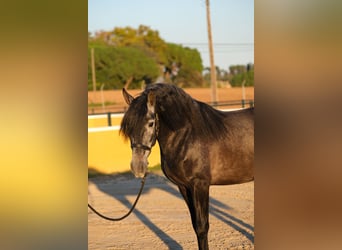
(129, 212)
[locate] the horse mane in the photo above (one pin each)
(134, 115)
(175, 108)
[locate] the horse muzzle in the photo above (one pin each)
(139, 162)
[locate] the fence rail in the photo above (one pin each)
(113, 109)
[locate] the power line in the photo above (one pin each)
(218, 44)
(221, 46)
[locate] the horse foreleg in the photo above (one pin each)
(197, 199)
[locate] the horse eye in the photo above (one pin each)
(150, 124)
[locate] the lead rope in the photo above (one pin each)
(129, 212)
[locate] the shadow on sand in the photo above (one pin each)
(157, 181)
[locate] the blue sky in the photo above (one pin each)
(184, 22)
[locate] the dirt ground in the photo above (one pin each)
(161, 219)
(201, 94)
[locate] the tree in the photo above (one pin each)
(239, 73)
(123, 55)
(222, 76)
(143, 38)
(187, 63)
(117, 67)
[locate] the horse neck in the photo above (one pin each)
(175, 119)
(167, 136)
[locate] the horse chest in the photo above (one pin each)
(171, 173)
(181, 168)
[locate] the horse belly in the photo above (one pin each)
(228, 167)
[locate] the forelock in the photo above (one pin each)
(134, 115)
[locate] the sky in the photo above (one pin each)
(184, 22)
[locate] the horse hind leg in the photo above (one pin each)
(197, 199)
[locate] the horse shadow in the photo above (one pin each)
(216, 208)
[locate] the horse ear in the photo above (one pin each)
(128, 98)
(151, 101)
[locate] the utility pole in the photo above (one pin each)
(211, 54)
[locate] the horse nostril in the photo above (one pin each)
(139, 167)
(140, 175)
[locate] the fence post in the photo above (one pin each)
(109, 118)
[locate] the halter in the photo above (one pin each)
(139, 145)
(144, 147)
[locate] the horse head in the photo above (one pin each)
(139, 124)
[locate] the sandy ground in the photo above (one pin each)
(161, 219)
(201, 94)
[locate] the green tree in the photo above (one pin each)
(239, 74)
(117, 67)
(236, 75)
(189, 65)
(124, 53)
(143, 38)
